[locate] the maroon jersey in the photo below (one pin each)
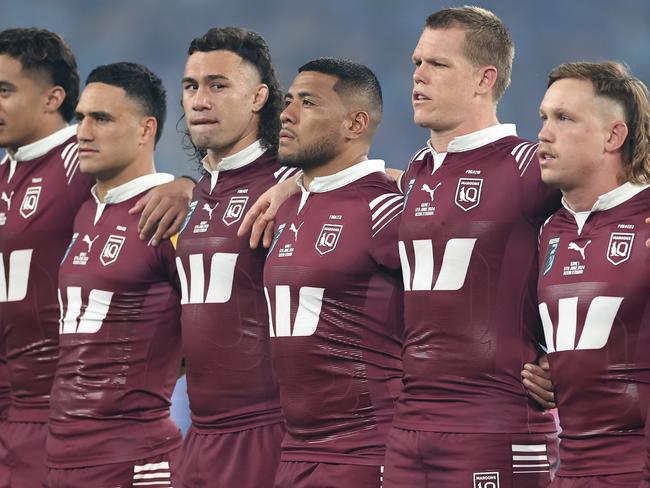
(41, 190)
(467, 244)
(593, 289)
(335, 302)
(119, 338)
(225, 324)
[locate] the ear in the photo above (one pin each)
(616, 137)
(148, 128)
(55, 97)
(261, 96)
(487, 77)
(356, 124)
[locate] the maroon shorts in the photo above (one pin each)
(626, 480)
(244, 459)
(22, 454)
(298, 474)
(154, 472)
(449, 460)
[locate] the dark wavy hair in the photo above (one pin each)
(251, 47)
(43, 51)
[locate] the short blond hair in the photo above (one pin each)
(487, 40)
(613, 80)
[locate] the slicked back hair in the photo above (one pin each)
(140, 84)
(354, 80)
(612, 80)
(45, 52)
(488, 41)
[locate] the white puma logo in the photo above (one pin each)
(574, 247)
(89, 241)
(7, 198)
(429, 190)
(295, 230)
(208, 209)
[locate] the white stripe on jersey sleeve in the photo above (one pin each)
(284, 172)
(384, 210)
(524, 153)
(65, 152)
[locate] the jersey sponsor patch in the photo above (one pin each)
(30, 201)
(468, 193)
(328, 238)
(619, 248)
(111, 250)
(188, 216)
(277, 235)
(551, 252)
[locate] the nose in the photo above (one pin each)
(201, 100)
(288, 115)
(418, 74)
(84, 130)
(545, 134)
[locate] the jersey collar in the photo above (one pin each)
(42, 146)
(132, 188)
(238, 160)
(479, 138)
(611, 199)
(321, 184)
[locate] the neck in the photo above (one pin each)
(130, 172)
(49, 126)
(584, 199)
(333, 166)
(216, 155)
(440, 139)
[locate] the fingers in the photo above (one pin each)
(268, 233)
(153, 212)
(647, 243)
(259, 230)
(250, 218)
(139, 205)
(539, 385)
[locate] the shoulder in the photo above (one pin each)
(519, 153)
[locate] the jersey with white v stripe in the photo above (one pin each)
(334, 297)
(596, 317)
(42, 196)
(224, 317)
(467, 244)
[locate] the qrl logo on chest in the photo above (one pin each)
(30, 201)
(619, 248)
(234, 210)
(111, 249)
(468, 193)
(328, 238)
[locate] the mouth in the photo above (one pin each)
(202, 122)
(544, 155)
(419, 97)
(85, 152)
(286, 135)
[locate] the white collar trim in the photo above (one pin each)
(43, 146)
(238, 160)
(132, 188)
(344, 177)
(479, 138)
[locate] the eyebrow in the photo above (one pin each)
(302, 94)
(7, 84)
(189, 79)
(99, 114)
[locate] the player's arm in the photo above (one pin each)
(647, 243)
(163, 209)
(537, 380)
(260, 218)
(395, 175)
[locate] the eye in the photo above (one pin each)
(543, 117)
(307, 103)
(217, 85)
(287, 102)
(189, 87)
(564, 117)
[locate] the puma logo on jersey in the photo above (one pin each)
(429, 190)
(209, 209)
(89, 241)
(7, 199)
(295, 230)
(574, 247)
